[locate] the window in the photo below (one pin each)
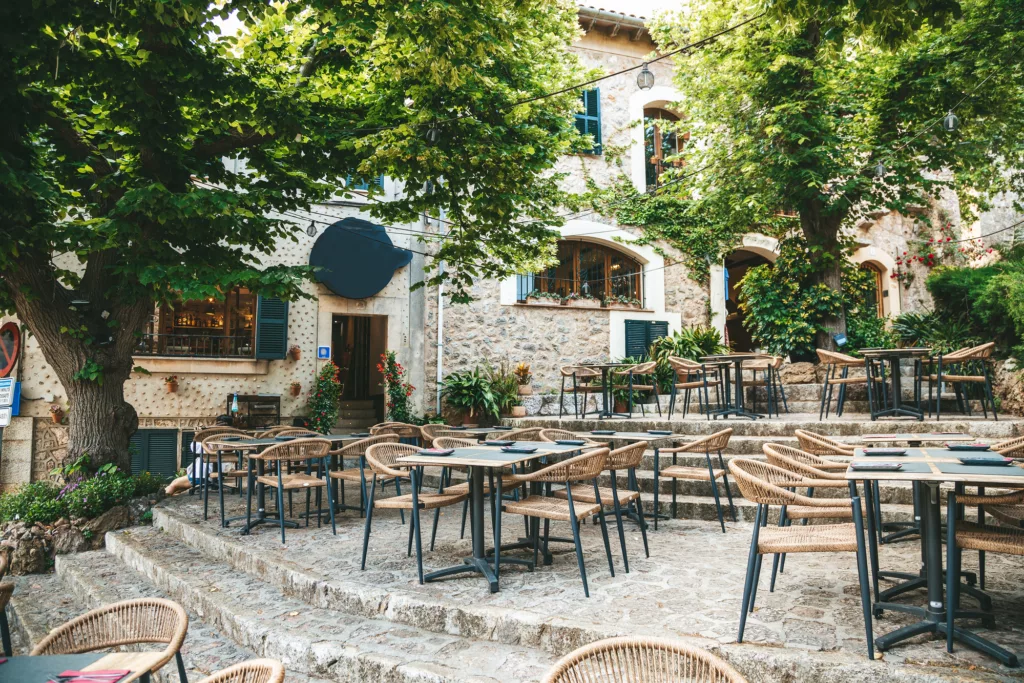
(208, 327)
(588, 121)
(589, 270)
(364, 186)
(660, 142)
(875, 293)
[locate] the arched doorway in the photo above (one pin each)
(876, 283)
(736, 266)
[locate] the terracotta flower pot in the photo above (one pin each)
(518, 411)
(56, 418)
(525, 390)
(172, 387)
(296, 354)
(296, 389)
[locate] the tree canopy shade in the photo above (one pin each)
(795, 113)
(121, 120)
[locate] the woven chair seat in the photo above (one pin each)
(252, 671)
(839, 511)
(848, 380)
(428, 501)
(641, 387)
(355, 474)
(821, 538)
(581, 493)
(970, 536)
(549, 508)
(958, 378)
(507, 484)
(291, 482)
(1010, 515)
(691, 473)
(228, 474)
(588, 388)
(697, 384)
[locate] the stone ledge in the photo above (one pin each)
(203, 366)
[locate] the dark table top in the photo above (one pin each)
(40, 669)
(895, 353)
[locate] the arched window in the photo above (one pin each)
(659, 143)
(877, 290)
(590, 270)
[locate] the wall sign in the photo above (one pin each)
(6, 392)
(5, 416)
(10, 345)
(323, 352)
(356, 258)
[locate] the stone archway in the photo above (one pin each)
(753, 249)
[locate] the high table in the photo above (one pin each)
(895, 356)
(926, 468)
(479, 459)
(244, 446)
(736, 359)
(43, 668)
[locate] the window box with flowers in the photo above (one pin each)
(537, 297)
(582, 301)
(614, 301)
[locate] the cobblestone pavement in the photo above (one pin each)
(690, 586)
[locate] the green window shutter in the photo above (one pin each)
(365, 185)
(636, 338)
(156, 451)
(589, 120)
(139, 446)
(271, 328)
(656, 329)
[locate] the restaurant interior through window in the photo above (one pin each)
(213, 327)
(593, 271)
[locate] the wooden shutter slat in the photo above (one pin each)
(271, 328)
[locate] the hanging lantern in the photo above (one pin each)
(586, 289)
(311, 230)
(950, 122)
(645, 79)
(880, 170)
(433, 135)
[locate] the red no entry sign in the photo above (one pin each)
(10, 345)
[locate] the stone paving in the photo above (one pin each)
(690, 587)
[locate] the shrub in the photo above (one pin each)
(92, 497)
(470, 391)
(46, 502)
(692, 343)
(864, 331)
(504, 387)
(325, 400)
(35, 502)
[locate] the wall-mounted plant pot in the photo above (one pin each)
(296, 354)
(172, 387)
(296, 389)
(56, 417)
(518, 411)
(526, 390)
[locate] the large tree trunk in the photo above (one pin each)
(80, 338)
(822, 231)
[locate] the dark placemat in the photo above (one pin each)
(42, 668)
(997, 470)
(908, 467)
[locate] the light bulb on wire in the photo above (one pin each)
(950, 122)
(311, 230)
(645, 79)
(880, 170)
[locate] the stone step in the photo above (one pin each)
(358, 413)
(354, 424)
(313, 640)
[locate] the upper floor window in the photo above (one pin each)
(660, 143)
(588, 121)
(588, 270)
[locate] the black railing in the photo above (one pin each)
(195, 346)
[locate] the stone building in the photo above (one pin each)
(244, 345)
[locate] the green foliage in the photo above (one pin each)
(622, 395)
(504, 386)
(941, 332)
(396, 389)
(325, 400)
(868, 331)
(470, 391)
(35, 502)
(91, 371)
(691, 343)
(87, 497)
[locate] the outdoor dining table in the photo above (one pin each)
(44, 668)
(607, 408)
(894, 358)
(481, 459)
(242, 447)
(926, 469)
(736, 407)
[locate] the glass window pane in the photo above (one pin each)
(592, 273)
(625, 276)
(558, 279)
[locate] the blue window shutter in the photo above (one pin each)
(365, 185)
(524, 285)
(271, 328)
(589, 120)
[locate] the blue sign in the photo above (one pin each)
(6, 391)
(840, 339)
(323, 352)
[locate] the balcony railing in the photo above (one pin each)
(195, 346)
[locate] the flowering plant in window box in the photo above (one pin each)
(538, 297)
(579, 300)
(622, 301)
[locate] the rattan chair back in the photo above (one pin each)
(215, 433)
(357, 448)
(627, 457)
(839, 359)
(1013, 448)
(252, 671)
(431, 431)
(295, 431)
(382, 458)
(641, 660)
(795, 460)
(713, 442)
(578, 468)
(581, 372)
(980, 352)
(406, 431)
(761, 482)
(647, 368)
(453, 442)
(553, 435)
(525, 434)
(683, 366)
(274, 431)
(132, 622)
(819, 444)
(295, 451)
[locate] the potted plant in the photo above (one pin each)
(171, 382)
(538, 297)
(56, 414)
(295, 352)
(296, 388)
(505, 388)
(469, 391)
(622, 301)
(523, 376)
(582, 300)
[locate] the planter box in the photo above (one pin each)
(585, 303)
(541, 301)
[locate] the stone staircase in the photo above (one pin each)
(356, 416)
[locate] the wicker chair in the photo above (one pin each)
(252, 671)
(382, 460)
(623, 501)
(689, 375)
(431, 431)
(406, 433)
(764, 484)
(1007, 507)
(715, 442)
(819, 444)
(962, 536)
(963, 368)
(297, 452)
(358, 473)
(1011, 448)
(447, 487)
(553, 435)
(132, 622)
(582, 383)
(581, 468)
(6, 591)
(837, 373)
(638, 378)
(641, 660)
(524, 434)
(770, 381)
(295, 431)
(274, 431)
(221, 475)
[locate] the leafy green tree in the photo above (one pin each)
(145, 158)
(795, 112)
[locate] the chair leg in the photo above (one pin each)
(988, 391)
(604, 528)
(725, 480)
(280, 501)
(618, 519)
(415, 521)
(640, 515)
(714, 489)
(824, 393)
(369, 519)
(5, 633)
(952, 569)
(330, 497)
(220, 489)
(778, 556)
(657, 512)
(561, 398)
(862, 574)
(250, 480)
(748, 581)
(182, 677)
(782, 389)
(675, 487)
(576, 539)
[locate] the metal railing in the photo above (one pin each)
(195, 346)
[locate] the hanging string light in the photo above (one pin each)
(433, 135)
(880, 170)
(951, 122)
(311, 230)
(645, 79)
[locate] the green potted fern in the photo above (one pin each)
(469, 392)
